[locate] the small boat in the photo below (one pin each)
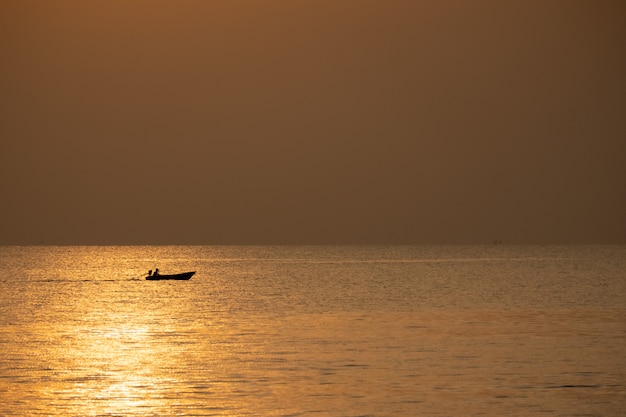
(184, 276)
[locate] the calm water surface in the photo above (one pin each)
(320, 331)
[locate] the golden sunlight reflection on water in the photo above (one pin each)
(112, 366)
(250, 336)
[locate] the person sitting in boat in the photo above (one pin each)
(150, 273)
(156, 272)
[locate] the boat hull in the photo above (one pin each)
(185, 276)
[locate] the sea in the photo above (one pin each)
(493, 330)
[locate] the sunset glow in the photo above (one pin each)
(355, 207)
(312, 122)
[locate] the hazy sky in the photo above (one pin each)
(312, 121)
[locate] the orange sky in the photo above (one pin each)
(286, 121)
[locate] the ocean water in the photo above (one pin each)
(314, 331)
